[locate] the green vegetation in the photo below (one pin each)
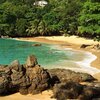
(28, 18)
(90, 19)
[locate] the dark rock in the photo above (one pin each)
(39, 79)
(97, 46)
(8, 71)
(85, 77)
(36, 44)
(15, 65)
(73, 90)
(25, 81)
(90, 93)
(31, 61)
(23, 91)
(64, 75)
(5, 70)
(17, 78)
(4, 83)
(29, 78)
(84, 45)
(68, 90)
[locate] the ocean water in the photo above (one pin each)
(46, 54)
(49, 56)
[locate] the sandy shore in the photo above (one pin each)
(73, 42)
(17, 96)
(69, 42)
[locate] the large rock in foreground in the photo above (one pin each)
(64, 75)
(39, 79)
(28, 78)
(73, 90)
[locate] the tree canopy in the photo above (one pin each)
(57, 17)
(90, 19)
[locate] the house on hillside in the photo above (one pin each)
(41, 3)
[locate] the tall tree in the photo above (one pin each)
(90, 19)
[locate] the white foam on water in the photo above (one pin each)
(84, 65)
(59, 49)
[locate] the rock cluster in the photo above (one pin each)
(66, 85)
(95, 47)
(37, 44)
(28, 78)
(64, 75)
(73, 90)
(84, 45)
(32, 78)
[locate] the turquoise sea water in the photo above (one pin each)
(48, 56)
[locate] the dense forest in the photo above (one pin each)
(21, 18)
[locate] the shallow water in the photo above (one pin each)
(49, 56)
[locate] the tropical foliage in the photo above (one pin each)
(57, 17)
(90, 19)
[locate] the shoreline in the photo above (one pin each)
(73, 42)
(84, 63)
(64, 43)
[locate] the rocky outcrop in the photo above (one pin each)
(92, 46)
(73, 90)
(31, 61)
(39, 78)
(97, 46)
(28, 78)
(66, 85)
(36, 44)
(64, 75)
(90, 93)
(84, 45)
(4, 83)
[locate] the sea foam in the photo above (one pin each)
(84, 64)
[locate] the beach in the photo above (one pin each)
(45, 95)
(73, 42)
